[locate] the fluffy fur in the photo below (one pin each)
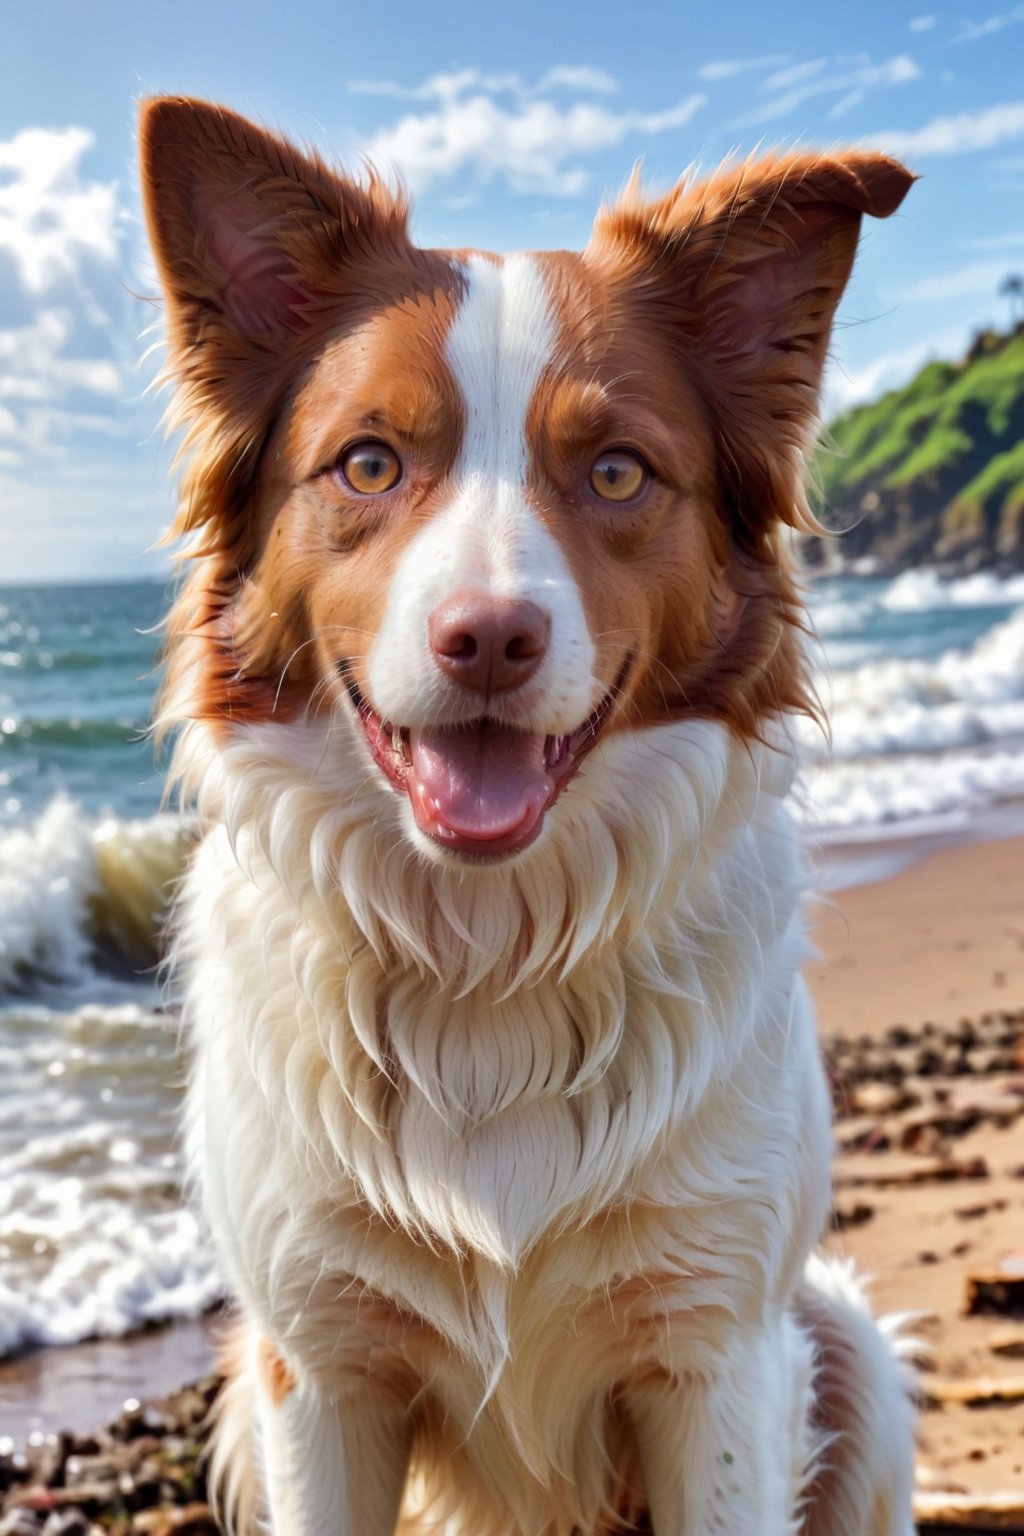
(515, 1161)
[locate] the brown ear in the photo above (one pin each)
(253, 240)
(747, 268)
(249, 234)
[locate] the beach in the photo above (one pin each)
(109, 1288)
(938, 939)
(920, 980)
(939, 944)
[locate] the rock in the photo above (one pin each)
(878, 1099)
(67, 1522)
(851, 1214)
(926, 1130)
(46, 1456)
(192, 1520)
(141, 1490)
(20, 1522)
(1008, 1342)
(998, 1289)
(33, 1497)
(13, 1466)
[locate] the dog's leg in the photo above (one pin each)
(863, 1483)
(726, 1454)
(333, 1464)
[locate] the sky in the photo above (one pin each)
(509, 124)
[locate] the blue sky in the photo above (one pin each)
(509, 124)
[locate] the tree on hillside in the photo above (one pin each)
(1012, 288)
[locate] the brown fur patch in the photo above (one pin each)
(277, 1378)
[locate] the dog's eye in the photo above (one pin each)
(618, 476)
(370, 469)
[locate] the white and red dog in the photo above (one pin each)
(506, 1102)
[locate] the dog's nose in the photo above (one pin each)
(489, 644)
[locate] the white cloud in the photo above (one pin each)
(921, 23)
(844, 388)
(41, 366)
(448, 86)
(577, 77)
(958, 135)
(50, 216)
(973, 30)
(976, 277)
(727, 69)
(853, 79)
(1013, 240)
(845, 103)
(784, 78)
(487, 127)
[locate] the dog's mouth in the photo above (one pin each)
(481, 788)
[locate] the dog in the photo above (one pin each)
(506, 1104)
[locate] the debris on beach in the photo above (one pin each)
(930, 1159)
(140, 1476)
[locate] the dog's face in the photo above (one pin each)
(490, 509)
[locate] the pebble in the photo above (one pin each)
(20, 1522)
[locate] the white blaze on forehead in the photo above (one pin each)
(488, 538)
(503, 338)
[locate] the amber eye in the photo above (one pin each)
(370, 468)
(618, 476)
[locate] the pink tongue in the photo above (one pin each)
(485, 783)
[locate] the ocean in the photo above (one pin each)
(924, 682)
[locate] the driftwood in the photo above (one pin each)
(929, 1170)
(938, 1513)
(978, 1392)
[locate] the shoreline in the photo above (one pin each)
(77, 1387)
(938, 938)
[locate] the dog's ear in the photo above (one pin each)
(746, 270)
(250, 236)
(258, 247)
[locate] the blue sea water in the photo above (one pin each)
(924, 685)
(77, 673)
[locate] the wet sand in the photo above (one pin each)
(81, 1386)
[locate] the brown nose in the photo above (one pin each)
(489, 644)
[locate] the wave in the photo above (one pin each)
(921, 591)
(913, 592)
(80, 895)
(95, 1238)
(121, 1275)
(34, 735)
(970, 697)
(861, 797)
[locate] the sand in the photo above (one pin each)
(940, 941)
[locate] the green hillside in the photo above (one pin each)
(933, 473)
